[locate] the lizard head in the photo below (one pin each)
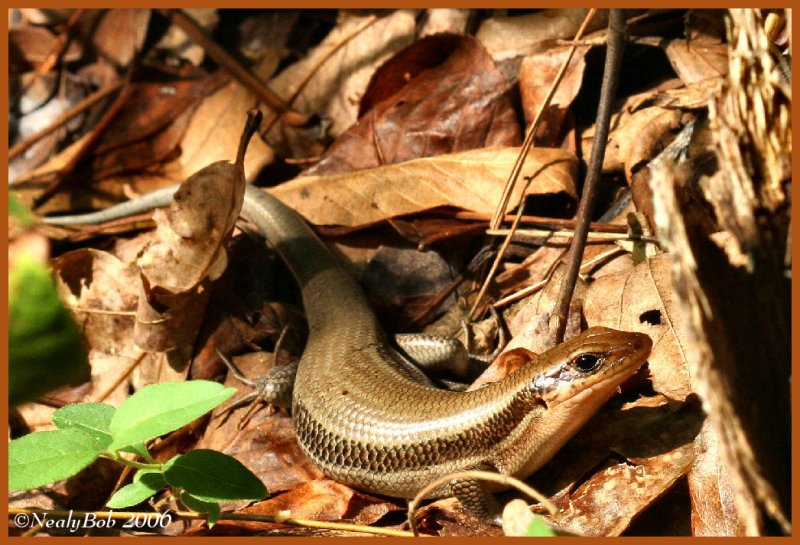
(588, 368)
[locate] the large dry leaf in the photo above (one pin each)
(95, 285)
(703, 53)
(536, 75)
(620, 463)
(440, 95)
(336, 87)
(101, 291)
(188, 245)
(697, 60)
(507, 37)
(29, 45)
(119, 33)
(187, 253)
(636, 136)
(213, 133)
(472, 180)
(149, 130)
(642, 300)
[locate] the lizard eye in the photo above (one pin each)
(586, 363)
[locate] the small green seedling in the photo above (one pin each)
(87, 431)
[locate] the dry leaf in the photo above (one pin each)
(536, 75)
(642, 300)
(29, 45)
(102, 292)
(625, 458)
(704, 52)
(442, 94)
(445, 20)
(213, 133)
(507, 37)
(188, 253)
(692, 96)
(189, 239)
(150, 129)
(119, 33)
(697, 60)
(325, 499)
(638, 137)
(472, 180)
(336, 87)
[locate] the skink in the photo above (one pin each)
(362, 414)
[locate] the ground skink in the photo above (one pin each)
(362, 414)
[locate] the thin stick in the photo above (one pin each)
(586, 266)
(91, 140)
(542, 221)
(57, 49)
(242, 74)
(569, 234)
(526, 146)
(79, 108)
(615, 45)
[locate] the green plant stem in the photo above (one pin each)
(132, 463)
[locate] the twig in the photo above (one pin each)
(116, 107)
(242, 74)
(79, 108)
(57, 49)
(615, 45)
(533, 288)
(542, 221)
(528, 144)
(517, 168)
(570, 234)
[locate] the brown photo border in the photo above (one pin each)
(414, 4)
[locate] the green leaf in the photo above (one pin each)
(45, 349)
(141, 450)
(161, 408)
(92, 418)
(145, 484)
(200, 506)
(212, 476)
(47, 456)
(539, 528)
